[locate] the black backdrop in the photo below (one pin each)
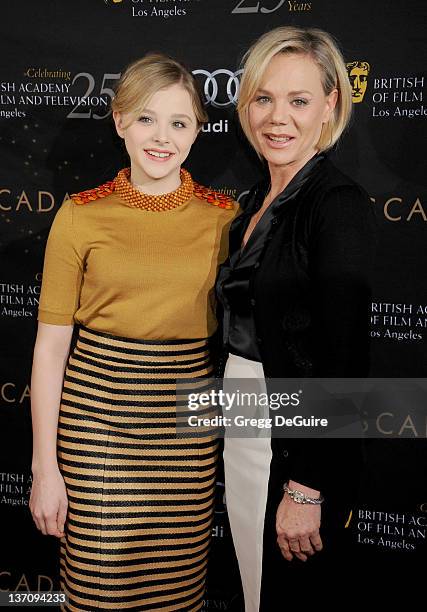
(59, 62)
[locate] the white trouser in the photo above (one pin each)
(247, 469)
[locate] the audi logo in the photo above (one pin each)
(220, 79)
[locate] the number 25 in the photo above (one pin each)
(255, 9)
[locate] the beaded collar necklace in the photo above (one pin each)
(133, 197)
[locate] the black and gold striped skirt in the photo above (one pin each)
(140, 497)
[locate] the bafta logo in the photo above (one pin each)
(358, 74)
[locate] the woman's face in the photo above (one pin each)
(288, 110)
(160, 140)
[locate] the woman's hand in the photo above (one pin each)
(297, 526)
(49, 503)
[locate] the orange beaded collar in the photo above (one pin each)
(125, 190)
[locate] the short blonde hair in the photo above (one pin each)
(144, 77)
(323, 50)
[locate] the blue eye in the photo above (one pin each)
(300, 102)
(262, 99)
(145, 119)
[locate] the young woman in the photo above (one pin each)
(296, 292)
(131, 264)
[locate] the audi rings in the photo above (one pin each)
(211, 86)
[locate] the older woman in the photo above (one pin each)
(132, 265)
(295, 292)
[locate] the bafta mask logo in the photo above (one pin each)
(358, 74)
(112, 1)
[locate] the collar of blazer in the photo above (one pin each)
(257, 194)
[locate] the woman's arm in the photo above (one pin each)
(342, 253)
(48, 502)
(341, 270)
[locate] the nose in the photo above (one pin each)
(279, 114)
(161, 135)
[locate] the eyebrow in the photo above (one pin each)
(302, 91)
(176, 115)
(291, 93)
(183, 115)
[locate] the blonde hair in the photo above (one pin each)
(323, 50)
(144, 77)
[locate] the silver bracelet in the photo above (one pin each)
(301, 498)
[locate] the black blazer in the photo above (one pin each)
(310, 294)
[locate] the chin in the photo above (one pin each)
(278, 158)
(160, 172)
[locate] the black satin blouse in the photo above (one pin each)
(233, 285)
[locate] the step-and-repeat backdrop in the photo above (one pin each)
(59, 64)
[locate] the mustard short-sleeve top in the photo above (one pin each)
(121, 262)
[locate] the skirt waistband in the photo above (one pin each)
(176, 341)
(120, 349)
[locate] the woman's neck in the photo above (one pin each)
(281, 175)
(154, 186)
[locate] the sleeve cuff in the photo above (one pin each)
(55, 319)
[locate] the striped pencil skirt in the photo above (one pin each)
(140, 497)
